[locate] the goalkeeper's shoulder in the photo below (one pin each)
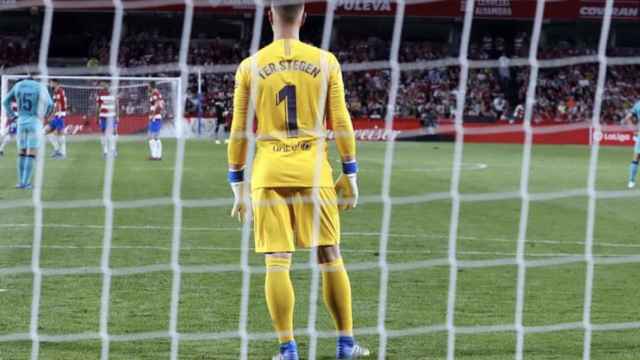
(332, 59)
(245, 64)
(321, 54)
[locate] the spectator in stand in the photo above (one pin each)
(499, 106)
(564, 94)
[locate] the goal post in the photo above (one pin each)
(133, 103)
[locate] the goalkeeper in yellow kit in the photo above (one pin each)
(286, 82)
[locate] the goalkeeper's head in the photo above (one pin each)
(286, 17)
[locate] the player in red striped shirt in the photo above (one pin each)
(55, 129)
(156, 105)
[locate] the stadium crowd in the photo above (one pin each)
(17, 50)
(564, 94)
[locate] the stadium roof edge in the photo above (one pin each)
(452, 9)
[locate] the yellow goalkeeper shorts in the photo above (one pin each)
(284, 219)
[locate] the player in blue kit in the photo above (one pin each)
(34, 106)
(633, 117)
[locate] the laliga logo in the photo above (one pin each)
(599, 136)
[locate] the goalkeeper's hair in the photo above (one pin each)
(287, 10)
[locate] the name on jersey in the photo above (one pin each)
(303, 145)
(289, 65)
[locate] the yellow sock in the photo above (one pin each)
(280, 297)
(336, 290)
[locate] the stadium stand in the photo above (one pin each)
(564, 94)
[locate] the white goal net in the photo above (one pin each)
(80, 92)
(132, 94)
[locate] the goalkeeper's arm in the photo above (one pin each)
(347, 184)
(237, 150)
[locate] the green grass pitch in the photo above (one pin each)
(418, 231)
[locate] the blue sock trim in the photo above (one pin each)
(289, 344)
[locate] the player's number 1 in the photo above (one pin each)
(288, 93)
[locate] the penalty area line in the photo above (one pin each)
(237, 249)
(345, 234)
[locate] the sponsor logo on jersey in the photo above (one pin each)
(285, 148)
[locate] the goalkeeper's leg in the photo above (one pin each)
(336, 291)
(280, 301)
(28, 143)
(273, 236)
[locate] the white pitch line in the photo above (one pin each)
(345, 234)
(237, 249)
(123, 227)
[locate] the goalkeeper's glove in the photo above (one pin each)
(236, 180)
(347, 186)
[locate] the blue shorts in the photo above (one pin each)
(29, 136)
(57, 123)
(637, 147)
(155, 126)
(104, 122)
(13, 128)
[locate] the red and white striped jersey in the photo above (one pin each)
(518, 113)
(60, 101)
(106, 103)
(156, 104)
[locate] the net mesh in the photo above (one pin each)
(133, 101)
(386, 199)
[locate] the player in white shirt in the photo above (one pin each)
(107, 114)
(499, 106)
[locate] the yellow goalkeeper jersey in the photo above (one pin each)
(290, 80)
